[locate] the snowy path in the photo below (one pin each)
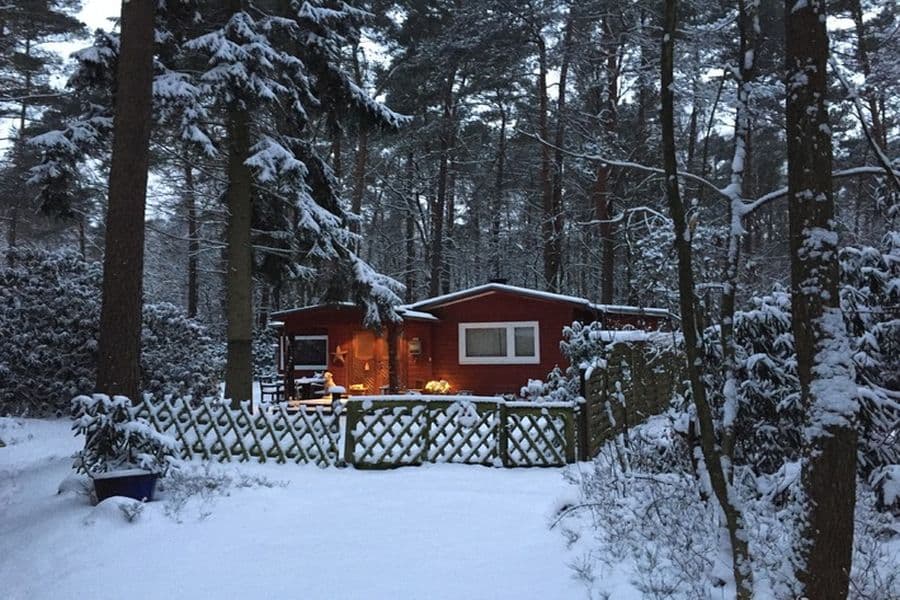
(441, 531)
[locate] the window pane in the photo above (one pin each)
(486, 342)
(310, 352)
(525, 341)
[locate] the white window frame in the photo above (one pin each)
(311, 337)
(510, 358)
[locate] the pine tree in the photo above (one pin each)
(119, 345)
(26, 69)
(277, 180)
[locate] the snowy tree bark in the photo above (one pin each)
(602, 198)
(865, 66)
(119, 345)
(711, 452)
(748, 31)
(437, 213)
(556, 202)
(827, 389)
(410, 225)
(549, 217)
(360, 160)
(239, 255)
(499, 183)
(190, 199)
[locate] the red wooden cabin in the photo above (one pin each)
(489, 339)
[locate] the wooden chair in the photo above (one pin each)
(271, 391)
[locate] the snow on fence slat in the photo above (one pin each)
(637, 382)
(208, 429)
(384, 433)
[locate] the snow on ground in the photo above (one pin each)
(281, 531)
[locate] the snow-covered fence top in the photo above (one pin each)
(380, 431)
(636, 382)
(443, 398)
(385, 432)
(208, 429)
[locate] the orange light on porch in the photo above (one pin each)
(438, 386)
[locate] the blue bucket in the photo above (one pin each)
(134, 483)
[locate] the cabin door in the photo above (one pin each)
(369, 363)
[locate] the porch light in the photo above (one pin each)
(437, 387)
(415, 346)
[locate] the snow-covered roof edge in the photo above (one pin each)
(417, 310)
(437, 301)
(405, 311)
(286, 311)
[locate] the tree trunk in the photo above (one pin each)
(337, 155)
(865, 66)
(450, 249)
(550, 240)
(748, 27)
(497, 208)
(411, 202)
(239, 255)
(704, 161)
(190, 198)
(359, 177)
(393, 344)
(119, 345)
(559, 141)
(437, 212)
(12, 232)
(687, 297)
(82, 237)
(827, 389)
(602, 197)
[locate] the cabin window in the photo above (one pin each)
(310, 351)
(506, 343)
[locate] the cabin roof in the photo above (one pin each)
(419, 310)
(488, 288)
(405, 311)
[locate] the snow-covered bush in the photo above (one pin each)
(647, 496)
(767, 430)
(49, 315)
(264, 342)
(770, 419)
(559, 387)
(178, 357)
(588, 347)
(870, 300)
(116, 438)
(650, 512)
(49, 322)
(201, 484)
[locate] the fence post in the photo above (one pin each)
(349, 424)
(569, 419)
(426, 434)
(503, 432)
(584, 421)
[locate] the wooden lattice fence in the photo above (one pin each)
(397, 432)
(373, 433)
(636, 383)
(211, 430)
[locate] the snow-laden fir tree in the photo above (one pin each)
(248, 85)
(272, 69)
